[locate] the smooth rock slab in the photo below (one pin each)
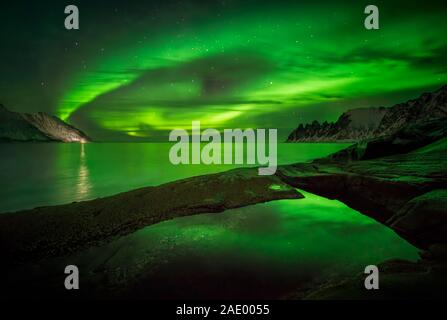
(57, 230)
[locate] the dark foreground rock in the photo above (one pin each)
(414, 205)
(400, 180)
(399, 279)
(407, 192)
(53, 231)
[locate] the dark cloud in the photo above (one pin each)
(219, 78)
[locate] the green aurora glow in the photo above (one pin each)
(141, 69)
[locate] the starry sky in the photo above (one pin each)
(138, 69)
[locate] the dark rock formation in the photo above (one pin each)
(39, 126)
(399, 279)
(399, 179)
(367, 123)
(408, 139)
(353, 125)
(429, 106)
(386, 189)
(14, 127)
(389, 179)
(57, 230)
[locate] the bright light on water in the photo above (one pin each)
(47, 174)
(259, 251)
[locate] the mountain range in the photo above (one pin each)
(368, 123)
(40, 126)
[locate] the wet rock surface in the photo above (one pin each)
(57, 230)
(37, 127)
(371, 123)
(407, 192)
(399, 180)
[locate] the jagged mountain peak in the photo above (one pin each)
(367, 123)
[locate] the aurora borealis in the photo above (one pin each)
(138, 69)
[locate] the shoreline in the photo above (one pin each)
(57, 230)
(396, 190)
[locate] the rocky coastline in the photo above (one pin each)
(399, 179)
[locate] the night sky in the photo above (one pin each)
(138, 69)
